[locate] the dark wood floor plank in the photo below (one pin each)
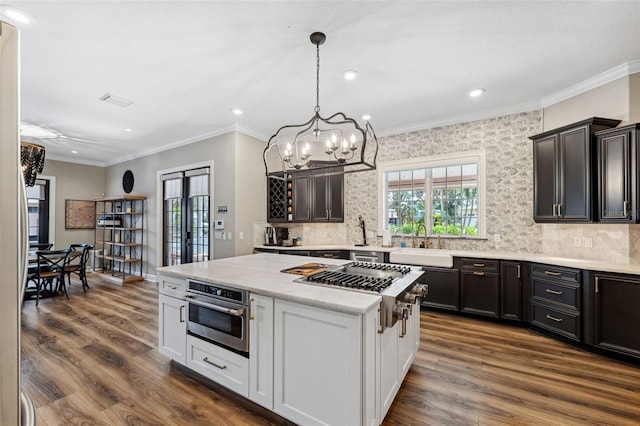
(93, 359)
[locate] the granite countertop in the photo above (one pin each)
(592, 265)
(260, 273)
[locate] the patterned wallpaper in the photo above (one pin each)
(509, 178)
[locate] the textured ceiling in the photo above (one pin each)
(186, 64)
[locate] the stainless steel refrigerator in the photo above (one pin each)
(15, 407)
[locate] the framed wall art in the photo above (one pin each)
(79, 214)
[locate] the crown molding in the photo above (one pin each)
(601, 79)
(463, 118)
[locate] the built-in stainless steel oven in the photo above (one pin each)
(219, 314)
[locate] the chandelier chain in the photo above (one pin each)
(317, 108)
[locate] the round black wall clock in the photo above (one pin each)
(127, 181)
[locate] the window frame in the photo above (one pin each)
(444, 160)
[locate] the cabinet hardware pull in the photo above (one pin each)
(221, 367)
(553, 291)
(597, 286)
(478, 273)
(251, 317)
(625, 213)
(478, 265)
(518, 266)
(182, 313)
(555, 274)
(554, 318)
(329, 213)
(553, 210)
(559, 210)
(172, 287)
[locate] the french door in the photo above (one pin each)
(186, 216)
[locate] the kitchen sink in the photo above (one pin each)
(422, 257)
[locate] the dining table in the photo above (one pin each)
(32, 268)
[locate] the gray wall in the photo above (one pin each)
(235, 172)
(73, 182)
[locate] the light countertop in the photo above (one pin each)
(260, 273)
(592, 265)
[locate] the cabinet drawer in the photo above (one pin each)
(480, 264)
(174, 287)
(566, 295)
(556, 272)
(218, 364)
(565, 323)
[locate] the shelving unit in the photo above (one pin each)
(119, 237)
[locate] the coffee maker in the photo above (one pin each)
(270, 236)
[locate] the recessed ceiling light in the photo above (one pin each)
(74, 152)
(366, 117)
(236, 111)
(349, 74)
(16, 16)
(128, 130)
(476, 92)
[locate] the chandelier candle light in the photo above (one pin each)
(333, 145)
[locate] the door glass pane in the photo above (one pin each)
(172, 231)
(38, 212)
(199, 228)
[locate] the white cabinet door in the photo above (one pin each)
(407, 343)
(317, 365)
(261, 350)
(172, 328)
(389, 365)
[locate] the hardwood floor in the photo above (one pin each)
(93, 360)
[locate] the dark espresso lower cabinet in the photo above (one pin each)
(444, 289)
(617, 313)
(480, 287)
(511, 280)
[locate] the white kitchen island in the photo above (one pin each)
(316, 356)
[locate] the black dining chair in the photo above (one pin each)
(34, 247)
(51, 264)
(77, 263)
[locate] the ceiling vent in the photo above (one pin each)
(115, 100)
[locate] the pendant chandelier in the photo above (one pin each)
(32, 160)
(332, 145)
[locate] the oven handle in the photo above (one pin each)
(234, 312)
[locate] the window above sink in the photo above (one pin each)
(447, 193)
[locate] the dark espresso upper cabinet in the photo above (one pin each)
(564, 171)
(328, 203)
(305, 196)
(302, 187)
(618, 174)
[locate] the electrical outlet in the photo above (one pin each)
(577, 241)
(241, 235)
(496, 238)
(587, 242)
(230, 236)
